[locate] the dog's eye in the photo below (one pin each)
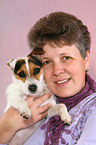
(36, 71)
(21, 74)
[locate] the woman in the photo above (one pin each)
(62, 43)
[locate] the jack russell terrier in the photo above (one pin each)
(28, 79)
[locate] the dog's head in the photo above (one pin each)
(28, 72)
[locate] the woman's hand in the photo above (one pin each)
(37, 112)
(11, 121)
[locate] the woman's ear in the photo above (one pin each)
(87, 60)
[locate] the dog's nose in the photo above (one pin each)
(32, 88)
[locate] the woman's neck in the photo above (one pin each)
(90, 87)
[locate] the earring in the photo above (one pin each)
(87, 70)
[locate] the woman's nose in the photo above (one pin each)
(58, 69)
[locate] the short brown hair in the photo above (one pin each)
(62, 29)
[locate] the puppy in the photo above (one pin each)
(28, 79)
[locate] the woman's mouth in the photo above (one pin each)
(63, 82)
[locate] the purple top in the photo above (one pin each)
(55, 127)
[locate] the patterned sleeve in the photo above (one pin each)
(88, 136)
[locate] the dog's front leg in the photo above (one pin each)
(60, 110)
(20, 104)
(22, 107)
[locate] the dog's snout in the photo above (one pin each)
(32, 88)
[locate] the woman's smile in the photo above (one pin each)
(62, 82)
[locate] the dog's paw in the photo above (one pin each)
(26, 116)
(66, 118)
(25, 112)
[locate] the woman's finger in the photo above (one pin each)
(42, 99)
(44, 108)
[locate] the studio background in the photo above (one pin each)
(16, 19)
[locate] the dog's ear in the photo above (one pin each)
(11, 64)
(37, 51)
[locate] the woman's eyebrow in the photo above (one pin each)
(63, 54)
(44, 58)
(59, 55)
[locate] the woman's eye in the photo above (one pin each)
(45, 62)
(21, 74)
(66, 57)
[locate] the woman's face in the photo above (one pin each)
(64, 69)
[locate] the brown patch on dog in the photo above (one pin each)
(35, 69)
(34, 60)
(25, 72)
(32, 68)
(37, 51)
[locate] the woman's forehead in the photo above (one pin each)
(58, 51)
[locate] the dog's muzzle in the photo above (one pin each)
(32, 88)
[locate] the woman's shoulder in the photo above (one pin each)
(82, 111)
(84, 119)
(89, 101)
(88, 135)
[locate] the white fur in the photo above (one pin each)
(16, 93)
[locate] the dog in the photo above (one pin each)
(28, 79)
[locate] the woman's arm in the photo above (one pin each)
(11, 121)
